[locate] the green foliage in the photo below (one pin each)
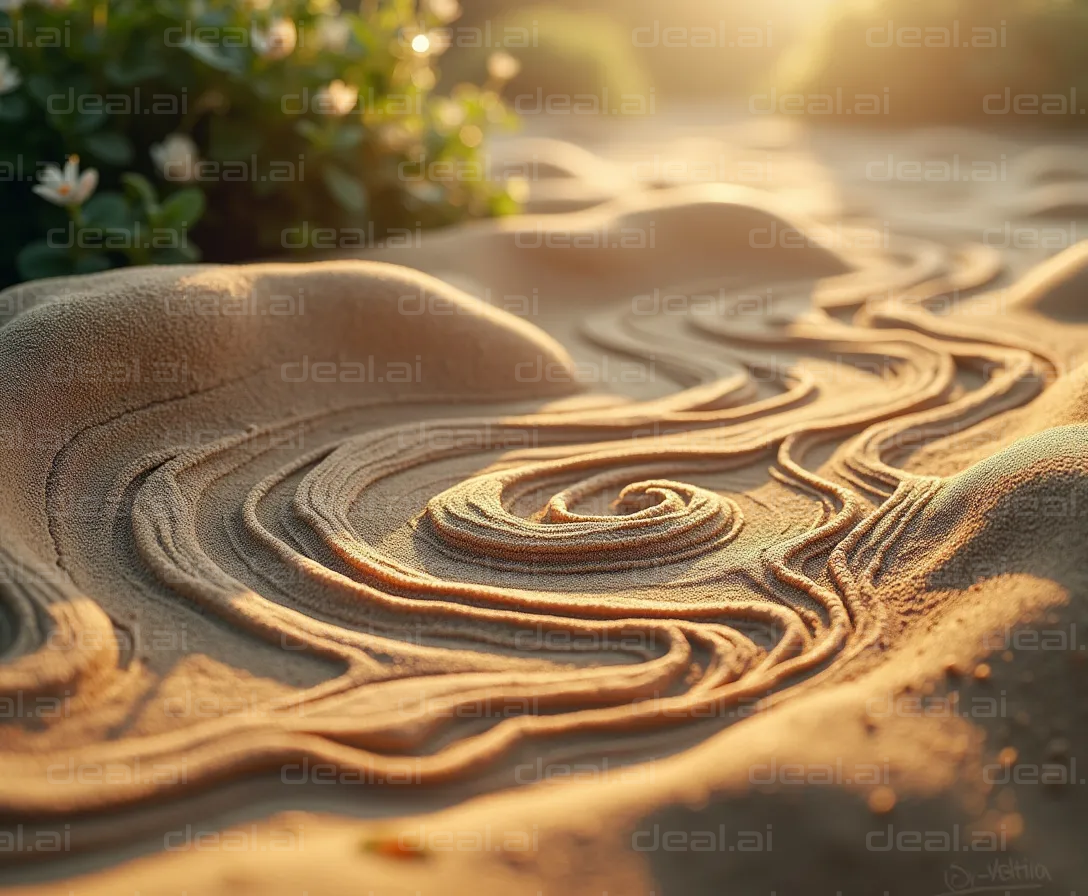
(217, 126)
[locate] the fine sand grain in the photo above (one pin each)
(669, 542)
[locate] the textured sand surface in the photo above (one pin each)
(729, 541)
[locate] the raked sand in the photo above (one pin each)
(716, 548)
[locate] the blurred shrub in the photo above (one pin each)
(160, 131)
(951, 61)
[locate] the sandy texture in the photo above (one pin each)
(725, 543)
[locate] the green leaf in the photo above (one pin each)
(110, 147)
(231, 141)
(309, 131)
(186, 254)
(217, 18)
(139, 187)
(348, 137)
(107, 209)
(13, 107)
(183, 208)
(216, 57)
(348, 191)
(38, 260)
(93, 41)
(93, 264)
(85, 121)
(503, 204)
(42, 89)
(130, 72)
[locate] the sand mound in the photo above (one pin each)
(705, 549)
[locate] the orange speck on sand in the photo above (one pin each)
(882, 800)
(1007, 756)
(982, 671)
(391, 848)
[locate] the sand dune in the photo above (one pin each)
(709, 548)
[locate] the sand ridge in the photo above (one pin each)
(345, 515)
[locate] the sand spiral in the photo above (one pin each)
(421, 556)
(654, 521)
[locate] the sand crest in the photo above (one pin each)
(708, 547)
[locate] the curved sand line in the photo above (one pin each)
(389, 522)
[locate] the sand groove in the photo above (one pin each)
(376, 561)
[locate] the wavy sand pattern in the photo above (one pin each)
(728, 466)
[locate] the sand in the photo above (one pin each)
(698, 539)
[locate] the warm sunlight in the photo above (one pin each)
(543, 447)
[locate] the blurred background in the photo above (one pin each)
(175, 131)
(938, 59)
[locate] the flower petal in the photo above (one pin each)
(48, 193)
(50, 175)
(87, 184)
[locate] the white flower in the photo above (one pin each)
(336, 98)
(9, 75)
(276, 41)
(444, 10)
(67, 187)
(11, 5)
(427, 192)
(333, 33)
(448, 113)
(518, 189)
(502, 66)
(176, 157)
(424, 77)
(428, 43)
(471, 136)
(395, 136)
